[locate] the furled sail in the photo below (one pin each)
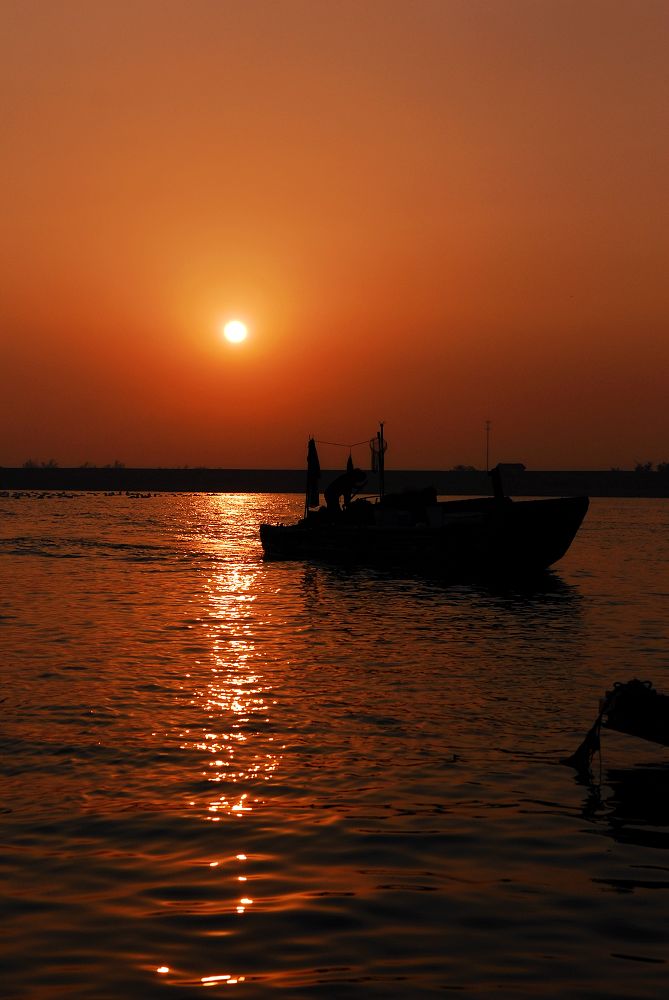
(313, 475)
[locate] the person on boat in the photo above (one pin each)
(344, 486)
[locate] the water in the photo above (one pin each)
(285, 779)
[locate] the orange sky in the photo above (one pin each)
(433, 213)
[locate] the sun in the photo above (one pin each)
(235, 331)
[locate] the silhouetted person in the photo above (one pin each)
(343, 486)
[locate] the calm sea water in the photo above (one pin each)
(279, 778)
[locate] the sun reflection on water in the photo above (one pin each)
(235, 700)
(218, 980)
(234, 745)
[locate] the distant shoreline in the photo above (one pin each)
(457, 483)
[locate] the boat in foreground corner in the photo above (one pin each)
(490, 536)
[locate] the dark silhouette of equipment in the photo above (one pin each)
(344, 486)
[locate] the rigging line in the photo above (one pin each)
(337, 444)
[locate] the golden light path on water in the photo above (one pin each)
(236, 701)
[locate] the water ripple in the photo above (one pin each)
(220, 773)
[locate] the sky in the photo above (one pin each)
(434, 213)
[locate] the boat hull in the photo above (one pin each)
(463, 538)
(637, 709)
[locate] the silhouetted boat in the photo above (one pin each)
(483, 537)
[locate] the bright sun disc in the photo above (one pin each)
(235, 331)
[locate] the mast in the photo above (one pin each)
(379, 438)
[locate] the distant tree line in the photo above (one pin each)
(661, 467)
(32, 464)
(53, 464)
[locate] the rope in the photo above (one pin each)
(582, 758)
(337, 444)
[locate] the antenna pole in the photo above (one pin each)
(487, 446)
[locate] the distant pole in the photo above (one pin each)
(487, 446)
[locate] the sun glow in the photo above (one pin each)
(235, 331)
